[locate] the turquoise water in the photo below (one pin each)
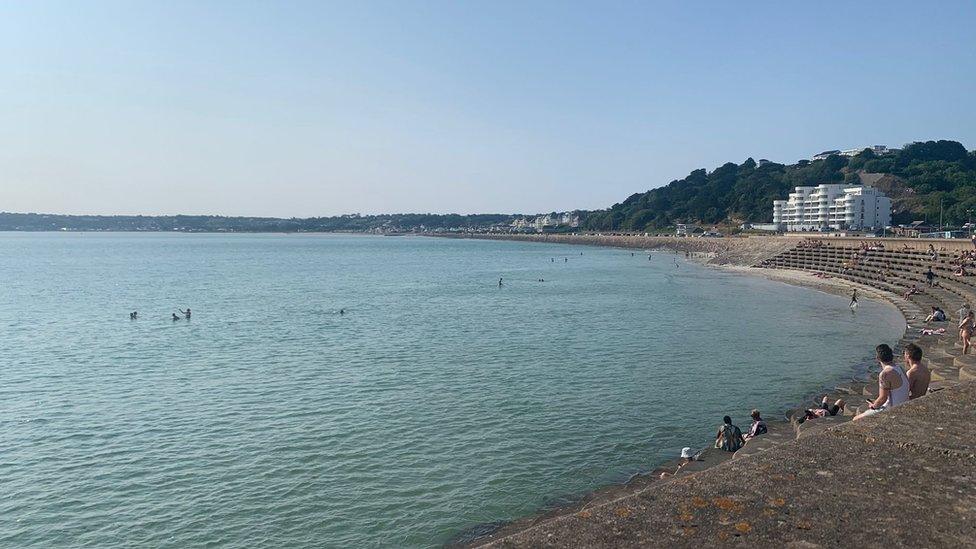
(438, 402)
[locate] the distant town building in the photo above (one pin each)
(825, 154)
(913, 229)
(879, 150)
(833, 206)
(682, 229)
(546, 222)
(772, 227)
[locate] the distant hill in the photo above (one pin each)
(917, 178)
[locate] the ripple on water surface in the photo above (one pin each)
(438, 402)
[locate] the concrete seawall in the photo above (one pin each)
(734, 251)
(741, 251)
(903, 478)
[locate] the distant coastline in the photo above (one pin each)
(354, 223)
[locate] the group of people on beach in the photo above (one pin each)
(896, 385)
(872, 246)
(730, 438)
(966, 326)
(964, 263)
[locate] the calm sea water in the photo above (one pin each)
(439, 401)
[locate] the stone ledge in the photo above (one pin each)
(906, 477)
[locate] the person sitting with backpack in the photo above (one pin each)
(729, 437)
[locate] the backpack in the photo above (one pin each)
(730, 438)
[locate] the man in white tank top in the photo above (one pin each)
(892, 384)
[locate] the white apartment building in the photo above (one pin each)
(879, 150)
(833, 206)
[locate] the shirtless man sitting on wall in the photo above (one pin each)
(918, 374)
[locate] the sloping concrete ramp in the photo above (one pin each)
(903, 478)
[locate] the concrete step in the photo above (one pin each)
(938, 362)
(709, 458)
(945, 374)
(954, 351)
(967, 373)
(965, 360)
(813, 426)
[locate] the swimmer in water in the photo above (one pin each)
(186, 313)
(342, 311)
(133, 315)
(499, 283)
(175, 318)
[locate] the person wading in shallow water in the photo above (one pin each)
(853, 299)
(185, 313)
(499, 283)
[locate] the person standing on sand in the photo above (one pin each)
(918, 374)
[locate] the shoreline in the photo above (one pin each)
(708, 254)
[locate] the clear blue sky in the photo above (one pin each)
(301, 109)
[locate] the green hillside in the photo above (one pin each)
(917, 178)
